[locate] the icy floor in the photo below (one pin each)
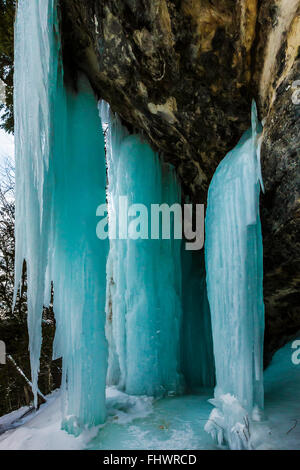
(133, 423)
(171, 423)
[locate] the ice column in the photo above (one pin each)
(36, 77)
(144, 275)
(60, 181)
(234, 264)
(78, 262)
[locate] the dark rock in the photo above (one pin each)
(183, 73)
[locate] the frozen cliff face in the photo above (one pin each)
(60, 182)
(234, 264)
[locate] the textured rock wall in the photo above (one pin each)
(178, 71)
(277, 68)
(183, 72)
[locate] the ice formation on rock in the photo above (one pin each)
(144, 276)
(157, 318)
(234, 265)
(60, 181)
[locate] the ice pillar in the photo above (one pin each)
(144, 275)
(60, 181)
(78, 262)
(35, 87)
(234, 264)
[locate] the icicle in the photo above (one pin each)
(36, 65)
(60, 182)
(144, 276)
(235, 291)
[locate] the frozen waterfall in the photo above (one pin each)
(60, 181)
(234, 265)
(144, 276)
(137, 312)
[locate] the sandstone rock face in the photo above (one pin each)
(183, 73)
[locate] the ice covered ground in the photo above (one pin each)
(281, 429)
(133, 423)
(170, 423)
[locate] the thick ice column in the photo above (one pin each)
(234, 266)
(144, 275)
(61, 180)
(78, 262)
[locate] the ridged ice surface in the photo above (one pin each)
(157, 323)
(144, 276)
(60, 181)
(234, 264)
(36, 64)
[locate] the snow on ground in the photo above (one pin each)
(170, 423)
(41, 431)
(133, 423)
(9, 420)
